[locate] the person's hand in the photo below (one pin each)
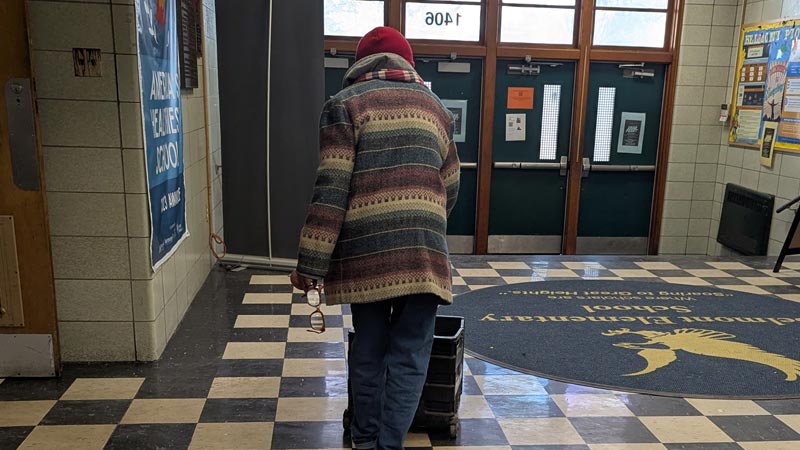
(301, 282)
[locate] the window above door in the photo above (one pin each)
(630, 23)
(453, 20)
(353, 18)
(538, 22)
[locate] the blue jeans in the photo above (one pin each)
(388, 364)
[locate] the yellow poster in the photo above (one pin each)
(767, 87)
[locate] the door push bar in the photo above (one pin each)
(561, 166)
(589, 167)
(469, 165)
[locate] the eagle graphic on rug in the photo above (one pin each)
(660, 349)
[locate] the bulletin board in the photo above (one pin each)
(767, 85)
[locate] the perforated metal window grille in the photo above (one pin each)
(605, 123)
(551, 105)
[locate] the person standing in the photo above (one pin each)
(375, 234)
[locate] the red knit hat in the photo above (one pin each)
(384, 40)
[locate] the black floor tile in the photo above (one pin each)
(781, 407)
(108, 370)
(549, 447)
(100, 412)
(151, 437)
(671, 273)
(616, 264)
(473, 432)
(612, 430)
(746, 273)
(471, 386)
(267, 309)
(594, 273)
(557, 387)
(269, 288)
(300, 299)
(514, 272)
(781, 289)
(690, 263)
(478, 367)
(239, 410)
(331, 320)
(303, 350)
(259, 335)
(313, 387)
(465, 262)
(708, 446)
(291, 435)
(250, 368)
(727, 281)
(20, 389)
(755, 428)
(171, 386)
(12, 437)
(648, 405)
(484, 281)
(528, 406)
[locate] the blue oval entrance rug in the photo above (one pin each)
(654, 338)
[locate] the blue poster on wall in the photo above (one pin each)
(163, 136)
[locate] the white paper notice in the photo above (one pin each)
(515, 127)
(792, 86)
(749, 124)
(791, 104)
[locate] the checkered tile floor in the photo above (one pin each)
(242, 372)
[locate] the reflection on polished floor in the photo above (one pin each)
(243, 373)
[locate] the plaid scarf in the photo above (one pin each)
(391, 75)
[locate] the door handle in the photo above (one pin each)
(622, 168)
(564, 165)
(586, 167)
(528, 165)
(469, 165)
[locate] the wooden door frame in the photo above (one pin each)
(31, 223)
(583, 54)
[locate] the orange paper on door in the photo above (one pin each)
(520, 98)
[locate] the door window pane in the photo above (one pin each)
(352, 17)
(537, 25)
(605, 124)
(552, 102)
(649, 4)
(443, 21)
(629, 28)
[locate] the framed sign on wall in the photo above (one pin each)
(767, 86)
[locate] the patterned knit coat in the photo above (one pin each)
(387, 180)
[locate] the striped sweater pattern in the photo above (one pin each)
(387, 180)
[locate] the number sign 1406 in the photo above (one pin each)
(441, 19)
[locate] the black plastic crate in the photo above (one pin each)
(446, 370)
(441, 395)
(440, 398)
(448, 336)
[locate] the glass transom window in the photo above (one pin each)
(443, 20)
(538, 21)
(352, 18)
(630, 23)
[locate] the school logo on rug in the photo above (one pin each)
(661, 349)
(653, 338)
